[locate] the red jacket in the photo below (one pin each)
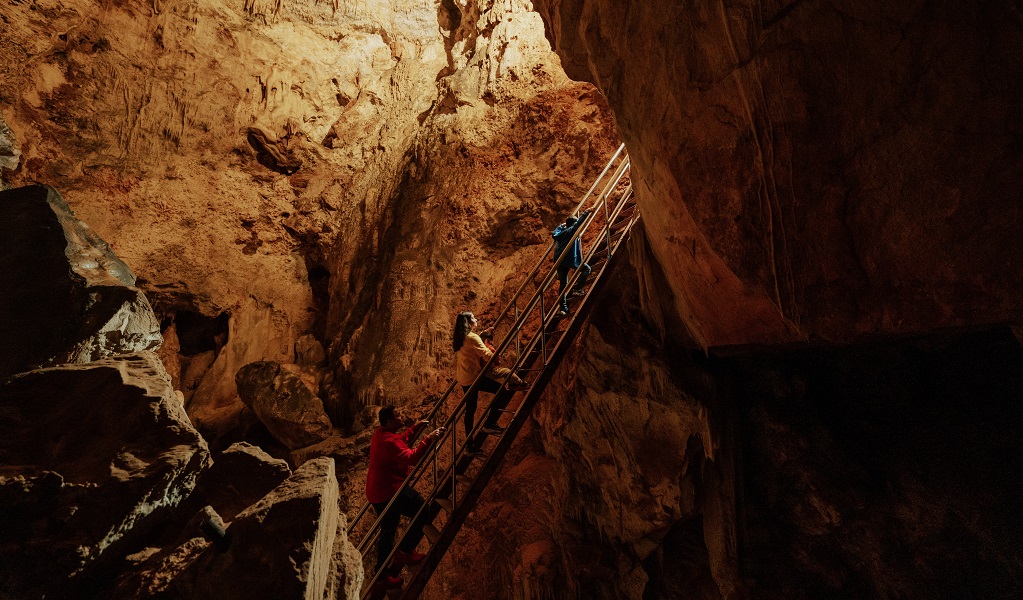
(390, 460)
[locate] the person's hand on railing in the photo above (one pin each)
(436, 433)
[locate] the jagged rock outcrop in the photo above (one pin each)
(67, 298)
(10, 152)
(816, 169)
(214, 406)
(239, 477)
(92, 456)
(284, 403)
(437, 146)
(290, 544)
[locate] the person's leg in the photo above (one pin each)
(563, 282)
(388, 527)
(470, 408)
(499, 401)
(500, 373)
(409, 502)
(584, 272)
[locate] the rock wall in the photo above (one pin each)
(359, 171)
(816, 169)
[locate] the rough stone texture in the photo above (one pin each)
(239, 477)
(10, 151)
(286, 406)
(619, 453)
(438, 143)
(67, 298)
(90, 455)
(309, 352)
(255, 332)
(817, 169)
(285, 546)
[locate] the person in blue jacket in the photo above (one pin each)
(569, 259)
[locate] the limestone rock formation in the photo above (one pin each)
(239, 477)
(91, 456)
(438, 143)
(290, 410)
(291, 544)
(67, 297)
(214, 406)
(10, 151)
(816, 169)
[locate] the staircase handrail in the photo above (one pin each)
(437, 406)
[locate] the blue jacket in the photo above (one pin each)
(561, 236)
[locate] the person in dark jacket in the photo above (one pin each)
(390, 461)
(569, 258)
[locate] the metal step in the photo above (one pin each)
(431, 533)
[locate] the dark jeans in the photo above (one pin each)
(563, 270)
(489, 386)
(408, 503)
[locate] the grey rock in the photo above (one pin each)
(284, 403)
(289, 545)
(67, 298)
(239, 477)
(10, 152)
(91, 456)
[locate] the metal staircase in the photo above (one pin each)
(534, 341)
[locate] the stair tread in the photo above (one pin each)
(431, 532)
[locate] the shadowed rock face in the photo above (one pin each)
(67, 298)
(91, 456)
(817, 169)
(362, 171)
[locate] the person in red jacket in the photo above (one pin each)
(390, 460)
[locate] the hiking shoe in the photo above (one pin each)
(410, 559)
(563, 312)
(518, 387)
(492, 429)
(577, 293)
(472, 450)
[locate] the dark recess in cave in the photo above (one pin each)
(199, 333)
(887, 469)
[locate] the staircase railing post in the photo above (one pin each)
(543, 328)
(607, 229)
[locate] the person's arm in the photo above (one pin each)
(424, 445)
(478, 347)
(410, 432)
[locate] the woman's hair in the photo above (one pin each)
(463, 325)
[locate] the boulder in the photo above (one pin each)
(90, 457)
(309, 352)
(256, 331)
(66, 298)
(239, 477)
(290, 544)
(283, 402)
